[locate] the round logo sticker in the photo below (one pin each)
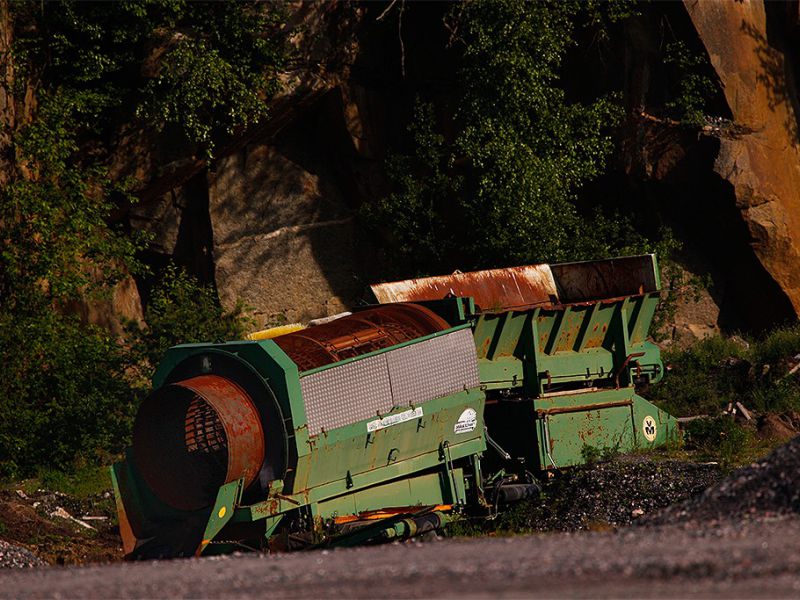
(466, 422)
(649, 428)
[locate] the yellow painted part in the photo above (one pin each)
(383, 514)
(273, 332)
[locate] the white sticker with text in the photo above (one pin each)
(467, 422)
(396, 419)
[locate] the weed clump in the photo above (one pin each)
(719, 372)
(706, 377)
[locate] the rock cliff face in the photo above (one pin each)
(762, 161)
(283, 237)
(272, 220)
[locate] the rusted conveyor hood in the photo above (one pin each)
(529, 286)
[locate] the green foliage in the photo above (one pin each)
(207, 66)
(594, 454)
(54, 238)
(68, 391)
(720, 438)
(705, 377)
(694, 88)
(415, 216)
(529, 148)
(84, 482)
(502, 188)
(215, 81)
(64, 393)
(778, 346)
(182, 311)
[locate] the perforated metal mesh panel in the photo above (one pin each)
(374, 385)
(346, 394)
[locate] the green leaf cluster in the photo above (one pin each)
(182, 311)
(203, 68)
(68, 390)
(502, 188)
(693, 88)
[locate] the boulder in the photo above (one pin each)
(283, 235)
(762, 160)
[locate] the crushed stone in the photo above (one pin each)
(765, 489)
(610, 494)
(14, 557)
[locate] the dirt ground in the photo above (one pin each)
(40, 523)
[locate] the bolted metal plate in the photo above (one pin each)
(374, 385)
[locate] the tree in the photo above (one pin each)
(502, 189)
(215, 63)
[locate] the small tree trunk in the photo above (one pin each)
(7, 107)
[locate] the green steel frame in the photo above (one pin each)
(557, 383)
(343, 471)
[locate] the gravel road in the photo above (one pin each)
(732, 560)
(740, 538)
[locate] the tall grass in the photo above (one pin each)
(705, 377)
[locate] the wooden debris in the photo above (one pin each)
(744, 411)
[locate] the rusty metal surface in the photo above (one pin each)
(604, 279)
(365, 331)
(581, 408)
(195, 435)
(493, 290)
(519, 288)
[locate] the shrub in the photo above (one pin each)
(721, 438)
(182, 311)
(778, 345)
(703, 378)
(496, 183)
(708, 375)
(65, 397)
(69, 391)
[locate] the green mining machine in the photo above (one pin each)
(449, 395)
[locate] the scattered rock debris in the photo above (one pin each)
(610, 494)
(14, 557)
(767, 488)
(41, 524)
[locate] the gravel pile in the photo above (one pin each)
(14, 557)
(768, 488)
(610, 494)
